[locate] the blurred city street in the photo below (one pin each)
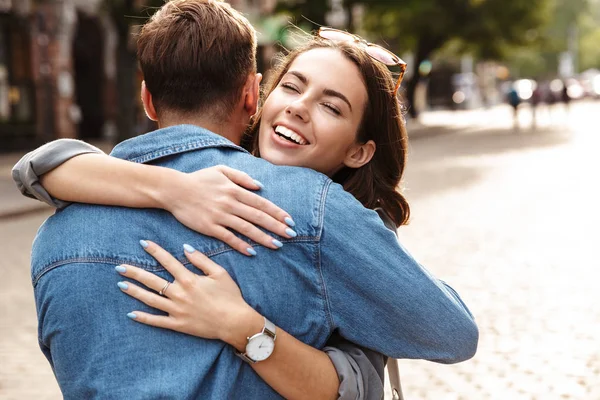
(505, 217)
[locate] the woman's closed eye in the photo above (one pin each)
(290, 86)
(333, 108)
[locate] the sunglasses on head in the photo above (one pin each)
(375, 51)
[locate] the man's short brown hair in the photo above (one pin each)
(196, 56)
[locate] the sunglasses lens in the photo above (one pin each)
(382, 55)
(336, 36)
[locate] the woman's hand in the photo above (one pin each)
(214, 201)
(209, 306)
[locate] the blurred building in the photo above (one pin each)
(52, 75)
(58, 68)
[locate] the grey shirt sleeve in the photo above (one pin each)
(27, 171)
(361, 371)
(361, 377)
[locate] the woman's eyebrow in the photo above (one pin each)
(331, 92)
(326, 92)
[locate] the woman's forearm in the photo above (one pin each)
(101, 179)
(295, 370)
(298, 371)
(214, 201)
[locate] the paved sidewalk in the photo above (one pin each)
(12, 203)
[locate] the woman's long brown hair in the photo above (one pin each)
(376, 183)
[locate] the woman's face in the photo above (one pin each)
(312, 117)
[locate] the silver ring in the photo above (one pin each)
(164, 289)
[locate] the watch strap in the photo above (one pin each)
(244, 357)
(268, 329)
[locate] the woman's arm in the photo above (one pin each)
(212, 307)
(211, 201)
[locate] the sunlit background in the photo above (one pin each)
(503, 198)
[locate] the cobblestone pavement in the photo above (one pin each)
(506, 218)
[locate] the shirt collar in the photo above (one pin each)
(168, 141)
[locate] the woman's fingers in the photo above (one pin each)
(239, 178)
(200, 261)
(150, 299)
(160, 321)
(261, 204)
(253, 200)
(250, 231)
(144, 277)
(229, 238)
(257, 217)
(170, 263)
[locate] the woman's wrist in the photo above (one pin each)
(163, 187)
(240, 326)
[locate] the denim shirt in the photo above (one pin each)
(344, 272)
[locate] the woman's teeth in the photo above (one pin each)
(290, 135)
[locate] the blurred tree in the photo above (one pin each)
(574, 25)
(312, 11)
(487, 28)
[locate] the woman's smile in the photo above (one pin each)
(289, 135)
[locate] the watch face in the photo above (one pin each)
(260, 347)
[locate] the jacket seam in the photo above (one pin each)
(327, 307)
(151, 268)
(181, 148)
(322, 201)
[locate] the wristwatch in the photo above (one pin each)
(261, 345)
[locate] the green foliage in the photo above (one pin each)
(570, 20)
(486, 27)
(305, 11)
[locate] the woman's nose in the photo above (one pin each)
(298, 109)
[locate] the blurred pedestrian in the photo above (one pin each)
(514, 100)
(536, 99)
(565, 98)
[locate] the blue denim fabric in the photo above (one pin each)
(344, 272)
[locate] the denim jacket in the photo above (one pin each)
(344, 272)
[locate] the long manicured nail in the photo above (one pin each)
(120, 269)
(251, 251)
(132, 315)
(257, 183)
(143, 243)
(291, 232)
(289, 221)
(277, 243)
(123, 285)
(188, 248)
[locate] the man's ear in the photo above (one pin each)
(252, 94)
(360, 154)
(148, 104)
